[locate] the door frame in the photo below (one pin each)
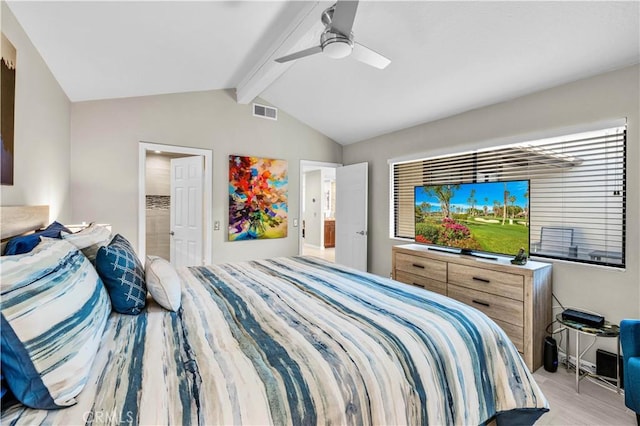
(207, 154)
(303, 164)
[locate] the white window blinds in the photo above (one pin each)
(577, 191)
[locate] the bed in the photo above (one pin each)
(297, 340)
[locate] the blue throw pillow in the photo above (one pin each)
(123, 275)
(26, 243)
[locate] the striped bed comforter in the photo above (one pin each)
(300, 341)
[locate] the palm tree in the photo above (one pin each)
(422, 210)
(472, 202)
(504, 206)
(526, 209)
(486, 208)
(496, 208)
(512, 200)
(444, 193)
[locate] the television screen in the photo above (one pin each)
(490, 217)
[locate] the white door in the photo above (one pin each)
(351, 215)
(186, 211)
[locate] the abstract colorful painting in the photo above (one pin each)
(7, 105)
(257, 198)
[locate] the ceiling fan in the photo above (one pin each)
(337, 39)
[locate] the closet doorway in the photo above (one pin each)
(174, 216)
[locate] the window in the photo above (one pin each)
(577, 191)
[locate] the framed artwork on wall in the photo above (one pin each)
(257, 198)
(7, 106)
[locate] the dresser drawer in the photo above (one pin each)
(515, 333)
(495, 307)
(417, 280)
(429, 268)
(495, 282)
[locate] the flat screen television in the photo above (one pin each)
(487, 217)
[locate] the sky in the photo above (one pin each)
(490, 190)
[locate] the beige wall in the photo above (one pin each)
(614, 95)
(41, 142)
(104, 157)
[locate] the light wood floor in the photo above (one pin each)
(326, 253)
(594, 405)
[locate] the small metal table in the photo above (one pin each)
(607, 330)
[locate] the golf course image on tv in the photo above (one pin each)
(490, 217)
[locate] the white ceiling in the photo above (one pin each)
(447, 57)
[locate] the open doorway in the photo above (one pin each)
(157, 207)
(317, 199)
(158, 203)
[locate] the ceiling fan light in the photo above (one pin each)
(337, 49)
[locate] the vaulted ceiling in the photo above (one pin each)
(447, 57)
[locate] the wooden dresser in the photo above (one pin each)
(517, 298)
(329, 233)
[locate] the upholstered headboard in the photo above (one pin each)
(17, 220)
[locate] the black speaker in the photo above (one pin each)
(550, 354)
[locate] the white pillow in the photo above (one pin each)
(163, 282)
(89, 240)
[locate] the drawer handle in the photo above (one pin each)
(483, 280)
(417, 265)
(481, 303)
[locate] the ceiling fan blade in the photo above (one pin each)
(301, 54)
(343, 16)
(369, 57)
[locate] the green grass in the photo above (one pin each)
(498, 238)
(492, 237)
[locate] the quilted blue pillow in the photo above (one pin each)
(26, 243)
(54, 311)
(123, 275)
